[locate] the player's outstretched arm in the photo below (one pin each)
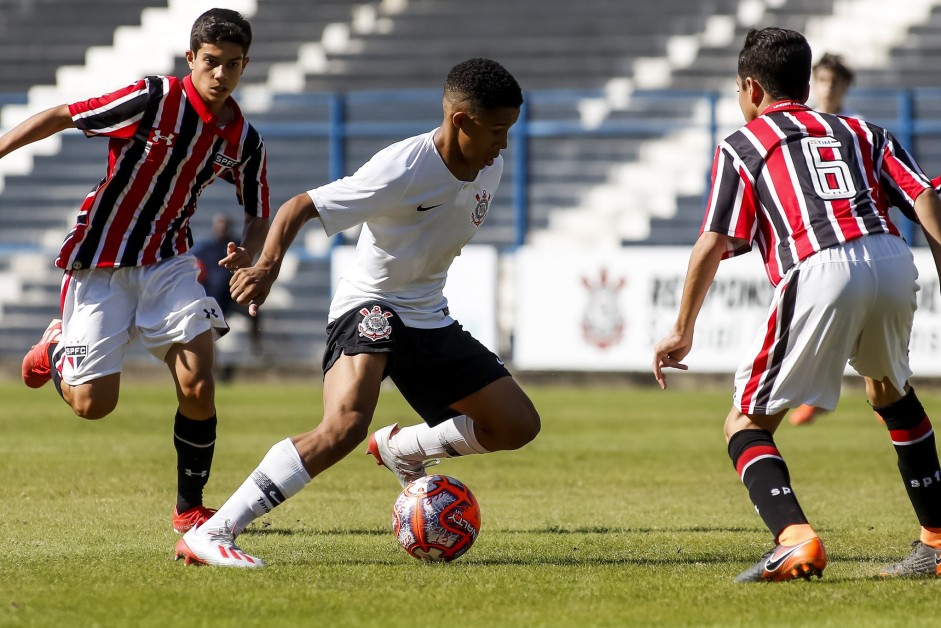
(35, 128)
(250, 286)
(928, 210)
(703, 264)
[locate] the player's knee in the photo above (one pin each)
(524, 430)
(198, 390)
(882, 394)
(92, 409)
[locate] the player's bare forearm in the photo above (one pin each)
(291, 216)
(703, 264)
(35, 128)
(250, 286)
(928, 210)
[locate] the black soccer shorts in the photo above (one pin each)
(432, 368)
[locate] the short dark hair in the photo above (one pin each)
(483, 84)
(835, 64)
(779, 59)
(221, 25)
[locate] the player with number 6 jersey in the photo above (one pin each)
(813, 191)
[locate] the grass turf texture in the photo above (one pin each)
(625, 511)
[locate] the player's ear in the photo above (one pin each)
(459, 118)
(190, 58)
(756, 93)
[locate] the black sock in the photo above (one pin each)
(195, 442)
(53, 371)
(914, 442)
(764, 473)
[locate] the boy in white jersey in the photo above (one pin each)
(419, 201)
(127, 270)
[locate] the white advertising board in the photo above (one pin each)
(471, 290)
(583, 310)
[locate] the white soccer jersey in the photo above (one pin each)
(416, 217)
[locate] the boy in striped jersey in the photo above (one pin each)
(128, 273)
(813, 191)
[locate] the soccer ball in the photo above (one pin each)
(436, 518)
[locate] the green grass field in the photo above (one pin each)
(625, 511)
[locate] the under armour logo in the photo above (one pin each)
(210, 313)
(192, 474)
(158, 136)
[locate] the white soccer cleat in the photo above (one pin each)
(202, 546)
(406, 471)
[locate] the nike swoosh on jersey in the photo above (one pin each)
(422, 208)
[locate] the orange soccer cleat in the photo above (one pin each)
(804, 414)
(36, 368)
(195, 516)
(788, 563)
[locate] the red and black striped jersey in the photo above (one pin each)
(797, 181)
(165, 148)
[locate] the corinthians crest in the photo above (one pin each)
(603, 322)
(375, 324)
(483, 205)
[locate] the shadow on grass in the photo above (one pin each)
(551, 530)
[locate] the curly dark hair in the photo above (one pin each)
(779, 59)
(221, 25)
(483, 84)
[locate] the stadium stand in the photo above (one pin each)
(39, 36)
(641, 70)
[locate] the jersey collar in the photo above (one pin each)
(784, 105)
(232, 131)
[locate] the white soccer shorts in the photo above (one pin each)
(853, 304)
(105, 309)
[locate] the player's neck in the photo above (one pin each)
(453, 158)
(224, 115)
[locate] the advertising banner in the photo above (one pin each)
(583, 310)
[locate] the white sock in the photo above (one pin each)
(454, 437)
(277, 477)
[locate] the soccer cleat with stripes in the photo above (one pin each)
(214, 547)
(923, 562)
(194, 517)
(36, 368)
(406, 471)
(788, 563)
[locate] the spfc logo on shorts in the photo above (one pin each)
(375, 324)
(75, 355)
(483, 205)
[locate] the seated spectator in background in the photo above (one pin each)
(215, 278)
